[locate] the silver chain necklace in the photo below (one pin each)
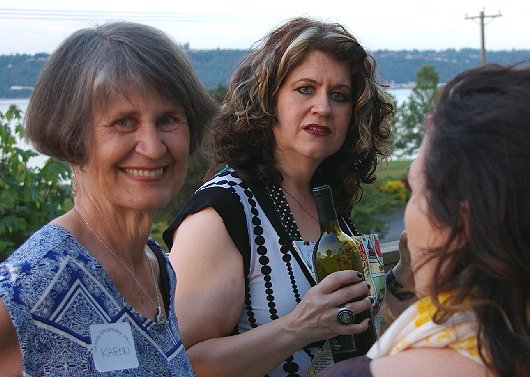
(300, 204)
(160, 316)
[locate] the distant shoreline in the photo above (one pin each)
(395, 68)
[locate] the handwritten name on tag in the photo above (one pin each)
(113, 347)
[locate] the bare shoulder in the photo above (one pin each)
(201, 244)
(428, 362)
(210, 275)
(203, 234)
(10, 357)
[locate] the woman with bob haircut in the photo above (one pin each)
(91, 293)
(301, 110)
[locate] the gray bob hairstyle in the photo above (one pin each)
(94, 65)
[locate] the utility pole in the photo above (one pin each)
(481, 16)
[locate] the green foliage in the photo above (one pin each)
(397, 189)
(378, 200)
(29, 196)
(410, 116)
(197, 168)
(218, 93)
(366, 215)
(392, 170)
(157, 230)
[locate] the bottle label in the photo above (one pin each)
(306, 249)
(322, 360)
(373, 267)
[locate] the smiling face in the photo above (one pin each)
(138, 153)
(313, 109)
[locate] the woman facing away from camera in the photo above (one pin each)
(90, 293)
(303, 109)
(468, 229)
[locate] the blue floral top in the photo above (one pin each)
(56, 292)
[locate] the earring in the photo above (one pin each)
(73, 183)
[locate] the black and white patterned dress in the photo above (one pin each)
(262, 227)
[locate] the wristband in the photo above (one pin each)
(395, 287)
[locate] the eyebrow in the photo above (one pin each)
(305, 79)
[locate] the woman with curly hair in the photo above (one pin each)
(302, 109)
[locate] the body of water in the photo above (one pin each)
(401, 95)
(5, 103)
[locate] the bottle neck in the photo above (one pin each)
(331, 226)
(327, 216)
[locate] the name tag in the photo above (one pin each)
(113, 347)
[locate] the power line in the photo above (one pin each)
(81, 15)
(481, 17)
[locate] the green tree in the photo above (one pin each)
(409, 119)
(218, 93)
(368, 214)
(380, 199)
(197, 167)
(29, 196)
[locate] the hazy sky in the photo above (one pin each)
(207, 24)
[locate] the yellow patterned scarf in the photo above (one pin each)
(414, 328)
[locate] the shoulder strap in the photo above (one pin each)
(164, 276)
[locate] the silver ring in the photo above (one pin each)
(345, 316)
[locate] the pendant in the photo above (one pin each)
(160, 317)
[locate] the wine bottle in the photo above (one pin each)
(336, 251)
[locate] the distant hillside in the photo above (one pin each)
(19, 72)
(400, 67)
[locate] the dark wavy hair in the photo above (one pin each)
(242, 135)
(91, 67)
(477, 166)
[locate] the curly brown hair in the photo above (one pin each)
(242, 134)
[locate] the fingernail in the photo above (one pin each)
(359, 275)
(372, 300)
(369, 286)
